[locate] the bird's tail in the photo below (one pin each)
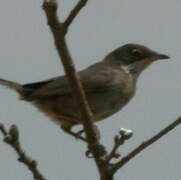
(12, 85)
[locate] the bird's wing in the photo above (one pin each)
(38, 85)
(93, 80)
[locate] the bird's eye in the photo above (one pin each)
(137, 52)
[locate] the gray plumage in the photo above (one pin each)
(109, 85)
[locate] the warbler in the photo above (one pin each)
(109, 85)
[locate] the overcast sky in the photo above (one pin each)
(27, 54)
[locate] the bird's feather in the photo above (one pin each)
(92, 80)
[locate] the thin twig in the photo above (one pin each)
(3, 130)
(146, 144)
(113, 153)
(74, 13)
(119, 140)
(12, 138)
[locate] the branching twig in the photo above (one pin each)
(12, 138)
(124, 134)
(146, 144)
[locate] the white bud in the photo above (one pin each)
(126, 133)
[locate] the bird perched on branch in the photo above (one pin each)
(109, 85)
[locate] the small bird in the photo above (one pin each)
(109, 85)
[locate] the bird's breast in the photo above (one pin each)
(113, 99)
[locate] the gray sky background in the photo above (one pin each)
(27, 54)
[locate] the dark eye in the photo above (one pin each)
(137, 52)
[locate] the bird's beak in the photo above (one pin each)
(157, 56)
(162, 56)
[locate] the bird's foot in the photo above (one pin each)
(76, 135)
(80, 132)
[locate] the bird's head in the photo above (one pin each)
(134, 57)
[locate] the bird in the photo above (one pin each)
(108, 84)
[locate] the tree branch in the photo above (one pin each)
(12, 138)
(58, 30)
(146, 144)
(74, 13)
